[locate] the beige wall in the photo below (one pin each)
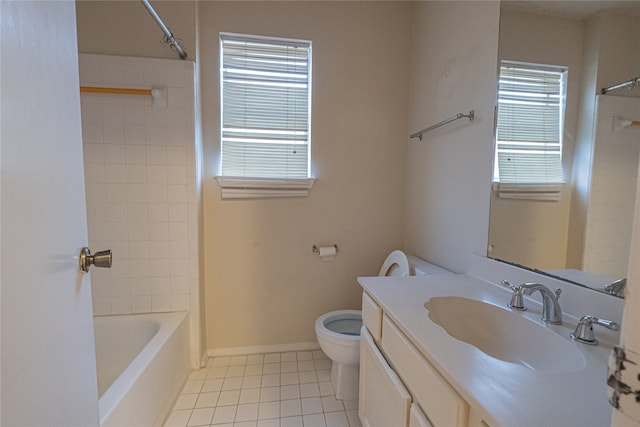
(453, 69)
(126, 28)
(263, 283)
(619, 54)
(613, 188)
(264, 286)
(611, 43)
(528, 232)
(610, 56)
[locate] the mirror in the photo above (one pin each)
(584, 237)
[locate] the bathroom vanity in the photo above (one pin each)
(414, 373)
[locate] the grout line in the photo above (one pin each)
(236, 389)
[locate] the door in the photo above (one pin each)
(47, 361)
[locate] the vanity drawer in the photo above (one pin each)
(441, 403)
(372, 316)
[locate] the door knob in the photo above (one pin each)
(99, 259)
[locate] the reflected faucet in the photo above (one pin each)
(551, 311)
(616, 288)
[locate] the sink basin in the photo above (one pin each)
(504, 335)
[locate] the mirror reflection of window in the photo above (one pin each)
(528, 149)
(582, 237)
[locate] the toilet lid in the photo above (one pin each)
(396, 264)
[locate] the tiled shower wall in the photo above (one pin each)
(613, 187)
(141, 187)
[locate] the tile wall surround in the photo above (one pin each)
(614, 173)
(141, 187)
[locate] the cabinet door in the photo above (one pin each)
(417, 418)
(384, 401)
(440, 402)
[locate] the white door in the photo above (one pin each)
(47, 359)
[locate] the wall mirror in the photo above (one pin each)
(584, 235)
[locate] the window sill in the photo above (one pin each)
(540, 192)
(260, 188)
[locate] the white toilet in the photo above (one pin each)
(338, 334)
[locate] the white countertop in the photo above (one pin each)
(502, 393)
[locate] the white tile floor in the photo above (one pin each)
(266, 390)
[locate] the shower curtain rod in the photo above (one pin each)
(168, 36)
(631, 83)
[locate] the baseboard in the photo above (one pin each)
(259, 349)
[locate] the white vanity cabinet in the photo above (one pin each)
(398, 385)
(453, 383)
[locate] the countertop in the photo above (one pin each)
(502, 393)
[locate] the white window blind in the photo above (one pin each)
(529, 128)
(265, 107)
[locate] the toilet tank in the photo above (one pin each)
(420, 267)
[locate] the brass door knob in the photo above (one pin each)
(99, 259)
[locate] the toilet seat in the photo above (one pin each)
(396, 264)
(330, 327)
(345, 326)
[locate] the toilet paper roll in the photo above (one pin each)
(327, 251)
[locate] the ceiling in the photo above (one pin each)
(573, 9)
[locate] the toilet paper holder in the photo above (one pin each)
(316, 249)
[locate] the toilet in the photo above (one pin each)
(338, 332)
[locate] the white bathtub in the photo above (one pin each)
(142, 362)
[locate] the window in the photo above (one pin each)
(265, 109)
(528, 155)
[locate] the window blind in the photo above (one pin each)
(530, 125)
(265, 101)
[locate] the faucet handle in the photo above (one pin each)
(517, 299)
(507, 283)
(558, 291)
(584, 330)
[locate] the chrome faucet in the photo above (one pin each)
(517, 301)
(551, 311)
(584, 330)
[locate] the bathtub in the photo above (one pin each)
(142, 363)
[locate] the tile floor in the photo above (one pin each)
(267, 390)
